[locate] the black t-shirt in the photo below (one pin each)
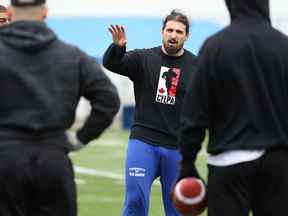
(160, 83)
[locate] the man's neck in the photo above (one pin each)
(179, 53)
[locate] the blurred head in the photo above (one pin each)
(3, 15)
(175, 32)
(33, 10)
(247, 8)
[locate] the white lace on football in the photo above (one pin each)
(190, 200)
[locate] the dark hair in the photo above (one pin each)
(177, 15)
(3, 9)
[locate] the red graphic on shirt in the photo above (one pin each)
(162, 91)
(167, 85)
(172, 78)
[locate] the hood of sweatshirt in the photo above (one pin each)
(27, 35)
(249, 9)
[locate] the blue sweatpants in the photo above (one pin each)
(144, 163)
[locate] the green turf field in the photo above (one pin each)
(99, 176)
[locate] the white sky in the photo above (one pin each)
(197, 8)
(213, 10)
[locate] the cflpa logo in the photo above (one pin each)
(137, 172)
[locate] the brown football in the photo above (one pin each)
(189, 196)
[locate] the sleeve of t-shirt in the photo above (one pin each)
(103, 96)
(117, 60)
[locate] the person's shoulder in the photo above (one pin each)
(190, 54)
(70, 51)
(279, 34)
(219, 36)
(148, 51)
(67, 47)
(156, 49)
(280, 42)
(64, 46)
(219, 39)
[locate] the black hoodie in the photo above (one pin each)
(41, 81)
(240, 91)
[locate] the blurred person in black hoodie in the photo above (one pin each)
(240, 94)
(41, 81)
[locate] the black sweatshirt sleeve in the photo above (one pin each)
(97, 88)
(117, 60)
(194, 119)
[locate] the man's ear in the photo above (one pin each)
(187, 36)
(9, 13)
(45, 13)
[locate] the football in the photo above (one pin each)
(189, 196)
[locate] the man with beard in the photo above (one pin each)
(240, 95)
(3, 15)
(152, 149)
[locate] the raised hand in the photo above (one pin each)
(118, 35)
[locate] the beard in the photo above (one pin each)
(172, 50)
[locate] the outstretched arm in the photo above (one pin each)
(194, 117)
(116, 59)
(103, 96)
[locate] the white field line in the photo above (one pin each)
(79, 181)
(106, 174)
(94, 172)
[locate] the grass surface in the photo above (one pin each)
(101, 187)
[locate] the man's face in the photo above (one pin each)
(174, 35)
(3, 18)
